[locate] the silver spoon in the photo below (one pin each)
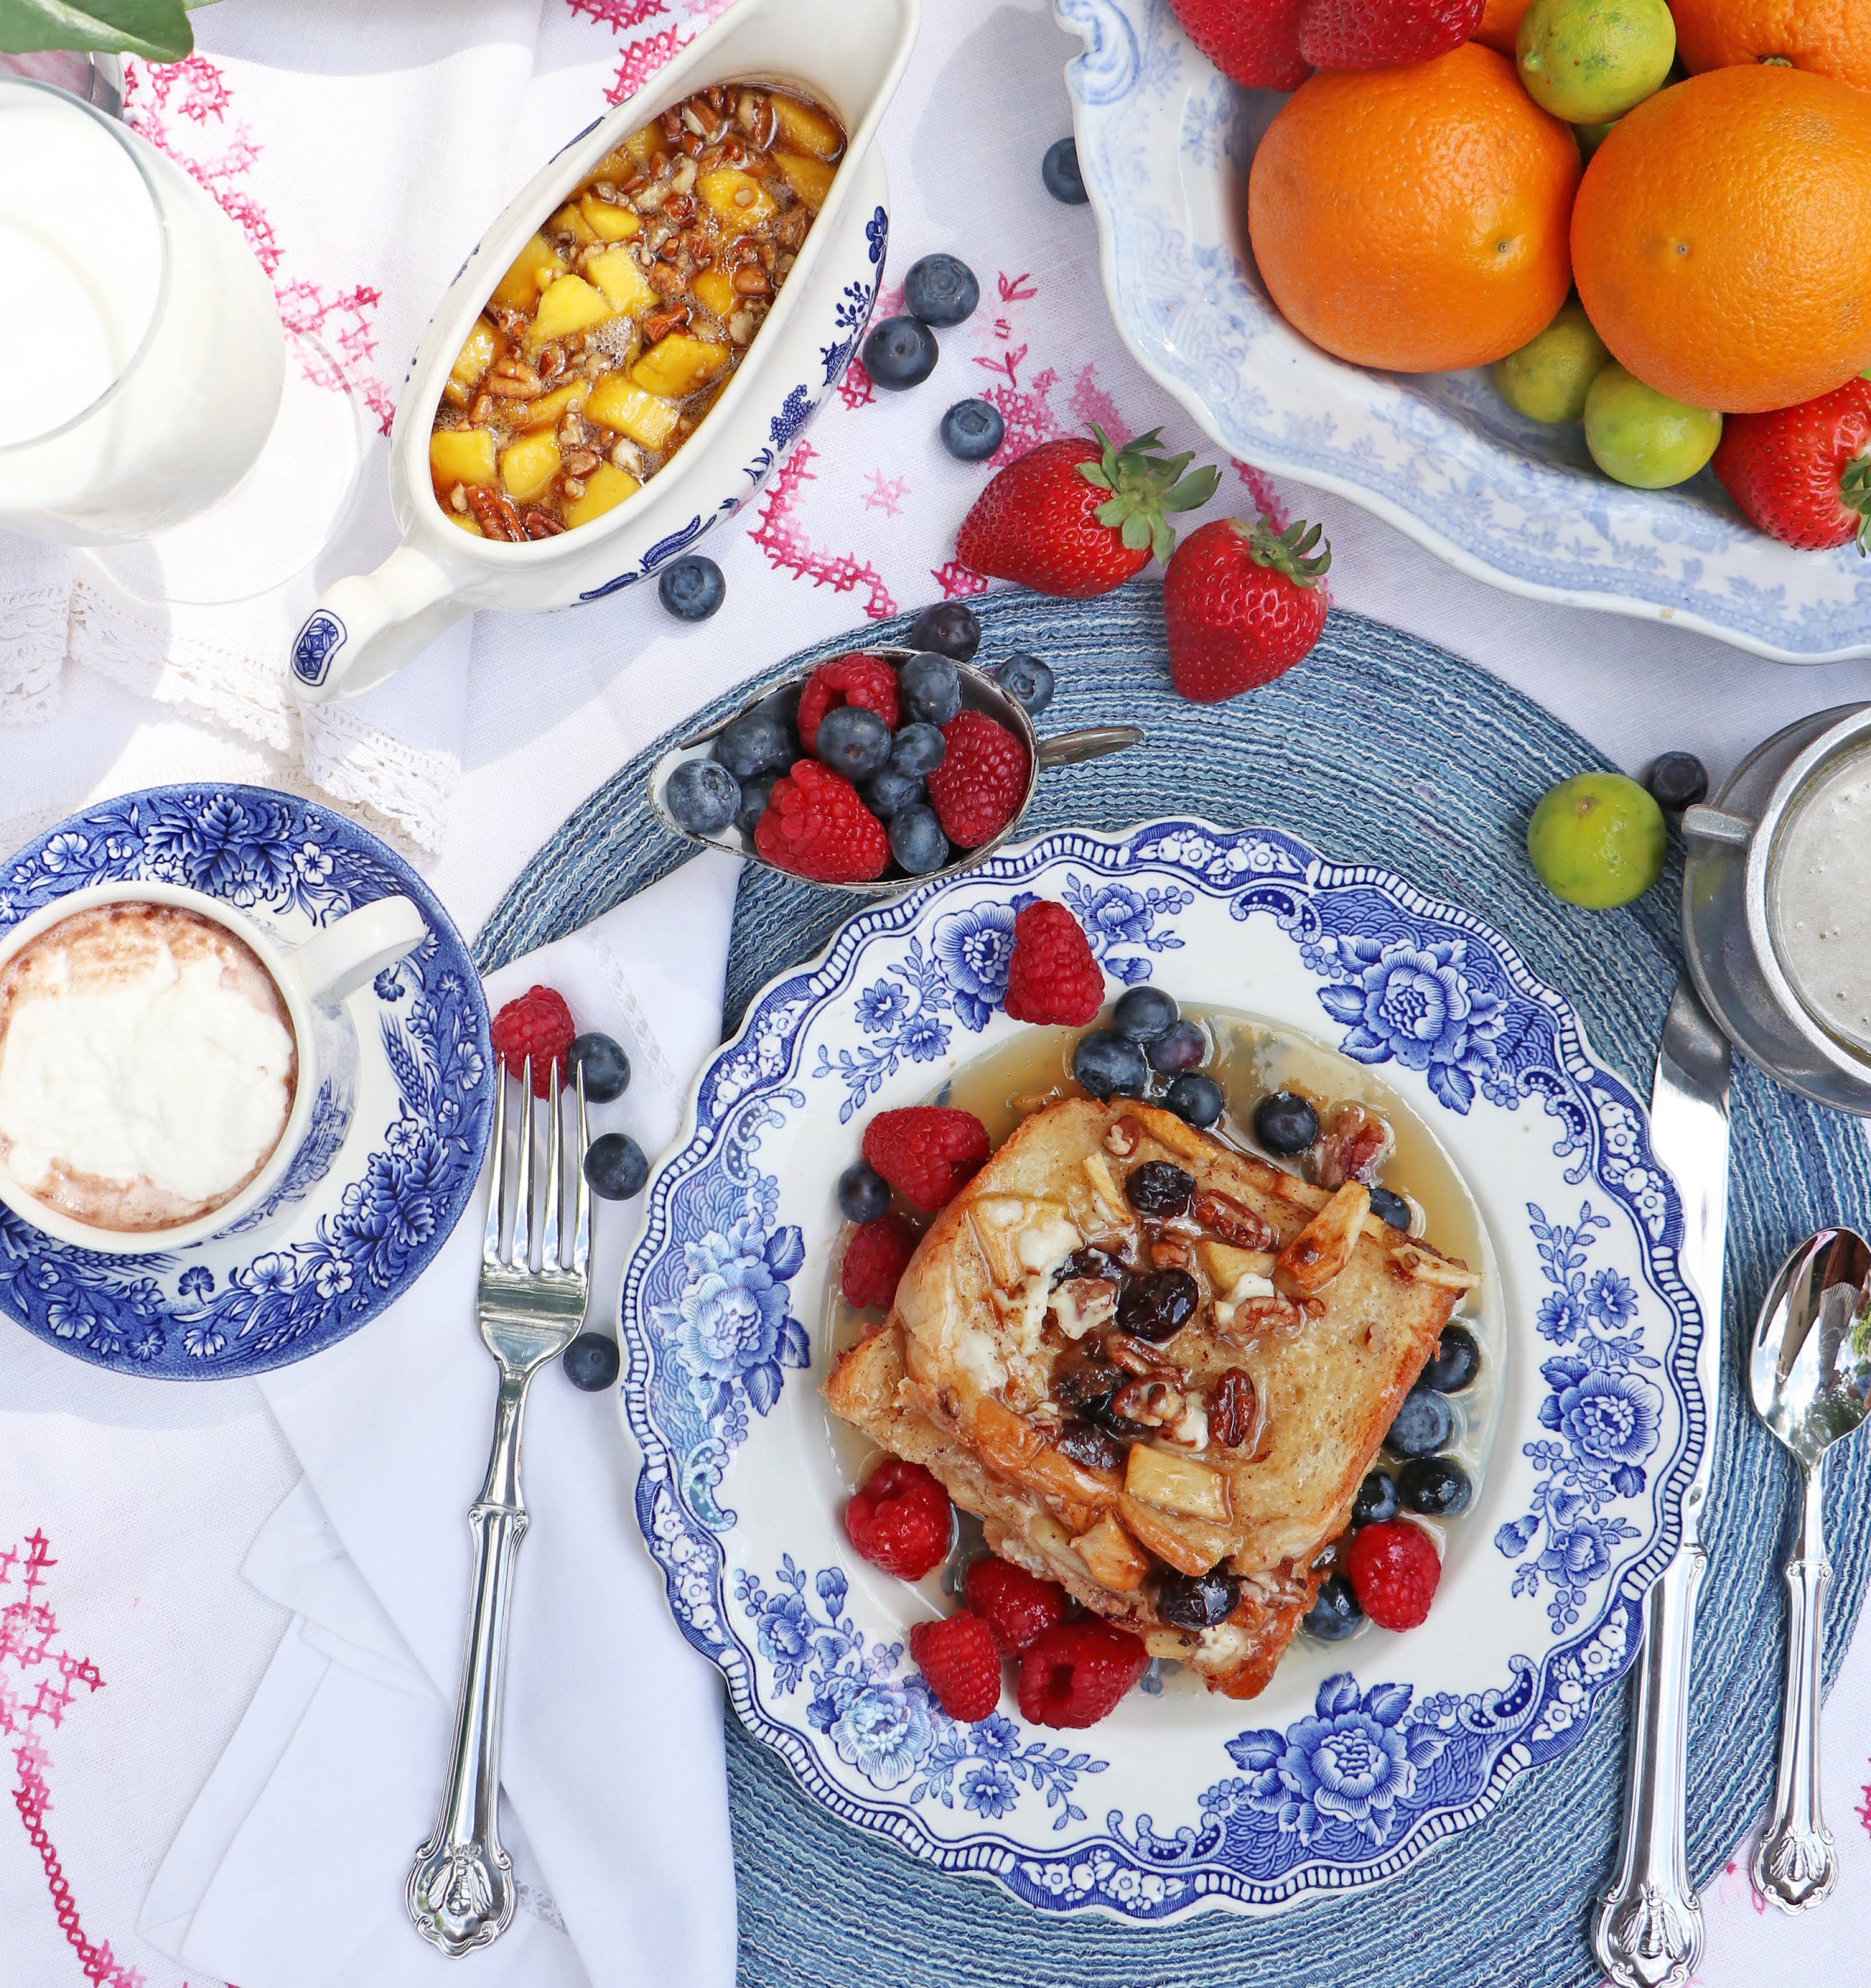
(1809, 1371)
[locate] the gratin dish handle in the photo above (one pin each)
(365, 628)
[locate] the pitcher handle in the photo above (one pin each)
(365, 628)
(339, 960)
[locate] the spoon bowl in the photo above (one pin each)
(1809, 1372)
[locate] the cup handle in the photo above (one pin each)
(339, 960)
(365, 628)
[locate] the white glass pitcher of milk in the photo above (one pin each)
(141, 345)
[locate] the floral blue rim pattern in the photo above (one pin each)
(1161, 137)
(1374, 1773)
(342, 1240)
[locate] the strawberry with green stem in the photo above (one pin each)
(1803, 474)
(1244, 604)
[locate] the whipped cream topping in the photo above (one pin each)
(146, 1066)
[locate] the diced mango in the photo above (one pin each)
(520, 285)
(547, 412)
(679, 365)
(466, 523)
(570, 220)
(723, 188)
(809, 178)
(716, 289)
(617, 167)
(529, 465)
(648, 419)
(461, 455)
(476, 355)
(606, 222)
(642, 146)
(605, 488)
(615, 272)
(570, 305)
(807, 130)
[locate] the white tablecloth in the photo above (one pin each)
(125, 1510)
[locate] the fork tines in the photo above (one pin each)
(510, 1206)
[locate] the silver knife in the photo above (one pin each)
(1647, 1933)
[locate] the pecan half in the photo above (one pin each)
(582, 461)
(1165, 1255)
(1155, 1404)
(1122, 1137)
(750, 280)
(541, 524)
(791, 232)
(667, 318)
(494, 514)
(1221, 1216)
(1352, 1147)
(1135, 1357)
(666, 280)
(1254, 1317)
(1230, 1409)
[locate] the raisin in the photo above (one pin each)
(1158, 1306)
(1094, 1448)
(1230, 1409)
(1084, 1262)
(1158, 1188)
(1086, 1383)
(1197, 1600)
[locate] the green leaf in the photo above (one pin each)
(1162, 540)
(1094, 475)
(158, 29)
(1195, 489)
(1136, 533)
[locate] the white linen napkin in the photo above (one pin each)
(289, 1871)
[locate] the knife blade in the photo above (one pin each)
(1649, 1929)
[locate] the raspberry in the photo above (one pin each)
(867, 681)
(538, 1025)
(927, 1152)
(1017, 1606)
(874, 1259)
(978, 788)
(815, 825)
(1052, 976)
(1076, 1673)
(959, 1661)
(900, 1520)
(1394, 1569)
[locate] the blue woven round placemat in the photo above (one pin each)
(1379, 749)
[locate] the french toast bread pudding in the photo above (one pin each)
(1154, 1365)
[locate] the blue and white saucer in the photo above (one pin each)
(396, 1138)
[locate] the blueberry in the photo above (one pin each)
(1157, 1305)
(1059, 171)
(614, 1166)
(1390, 1208)
(863, 1194)
(591, 1361)
(703, 795)
(1198, 1600)
(1027, 681)
(1678, 780)
(1335, 1614)
(1424, 1425)
(1196, 1099)
(754, 743)
(917, 841)
(940, 290)
(754, 795)
(1110, 1065)
(1159, 1188)
(888, 792)
(606, 1067)
(900, 352)
(951, 628)
(692, 588)
(971, 431)
(1144, 1013)
(917, 749)
(852, 741)
(930, 686)
(1285, 1122)
(1181, 1048)
(1437, 1486)
(1455, 1363)
(1376, 1502)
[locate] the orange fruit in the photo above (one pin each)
(1721, 240)
(1501, 20)
(1415, 218)
(1831, 36)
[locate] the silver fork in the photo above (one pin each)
(460, 1892)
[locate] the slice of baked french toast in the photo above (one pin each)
(1145, 1359)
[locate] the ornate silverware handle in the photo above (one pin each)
(1796, 1865)
(460, 1893)
(1649, 1930)
(1073, 749)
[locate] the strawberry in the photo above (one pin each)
(1243, 605)
(1255, 41)
(1383, 34)
(1078, 517)
(1803, 474)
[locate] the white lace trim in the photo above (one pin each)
(617, 977)
(35, 586)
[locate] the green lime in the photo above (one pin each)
(1590, 136)
(1588, 61)
(1548, 378)
(1598, 840)
(1640, 437)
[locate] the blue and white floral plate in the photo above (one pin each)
(396, 1140)
(1164, 142)
(1356, 1760)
